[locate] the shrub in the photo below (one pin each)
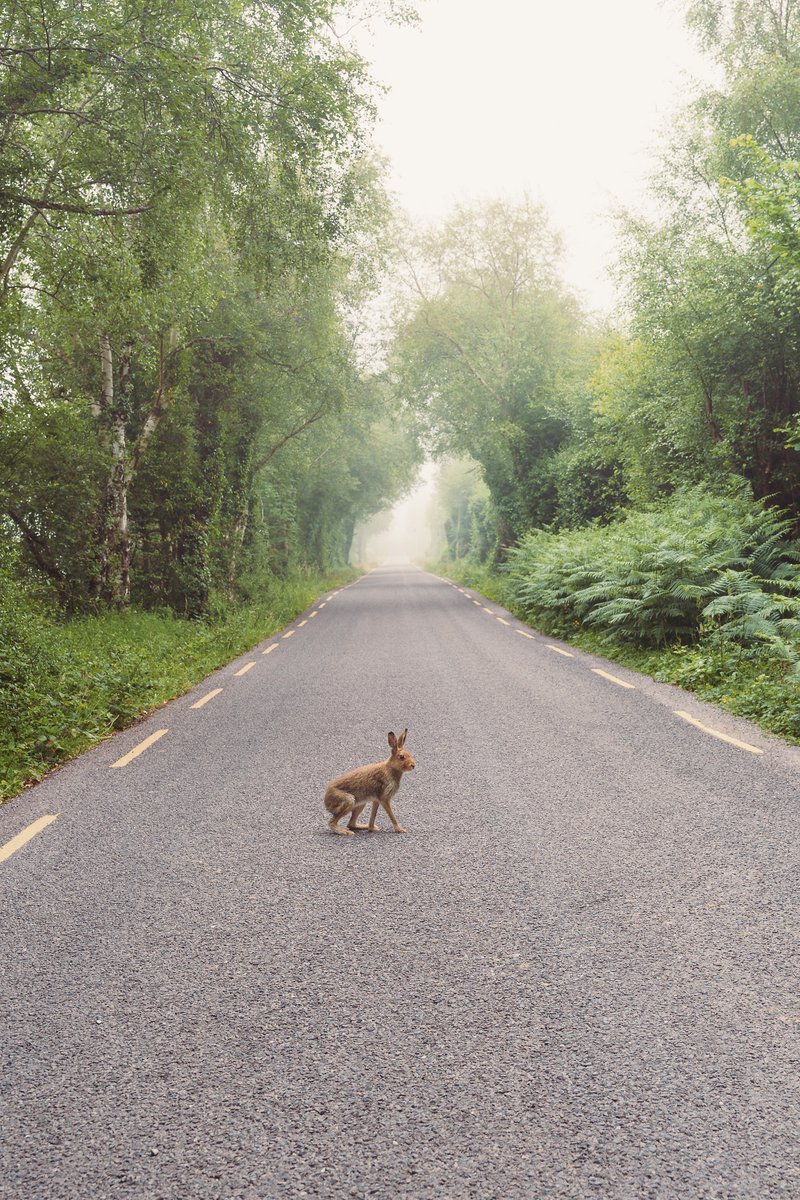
(662, 574)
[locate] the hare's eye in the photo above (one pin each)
(402, 757)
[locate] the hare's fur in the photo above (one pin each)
(377, 782)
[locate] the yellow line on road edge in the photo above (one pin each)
(302, 623)
(314, 613)
(269, 649)
(503, 621)
(205, 699)
(723, 737)
(476, 602)
(558, 650)
(485, 609)
(522, 633)
(613, 678)
(289, 634)
(324, 602)
(31, 831)
(137, 750)
(247, 667)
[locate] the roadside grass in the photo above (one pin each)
(749, 681)
(66, 685)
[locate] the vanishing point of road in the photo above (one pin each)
(577, 974)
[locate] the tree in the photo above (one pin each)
(716, 338)
(487, 350)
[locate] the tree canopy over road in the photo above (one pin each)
(189, 216)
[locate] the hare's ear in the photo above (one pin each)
(401, 741)
(392, 741)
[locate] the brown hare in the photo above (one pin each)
(376, 782)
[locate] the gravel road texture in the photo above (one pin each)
(575, 976)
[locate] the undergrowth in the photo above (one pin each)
(65, 685)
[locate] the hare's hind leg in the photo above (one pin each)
(373, 828)
(353, 824)
(340, 804)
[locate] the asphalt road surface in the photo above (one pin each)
(575, 976)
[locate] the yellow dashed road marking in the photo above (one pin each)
(522, 633)
(476, 602)
(29, 832)
(723, 737)
(613, 678)
(289, 634)
(269, 649)
(324, 602)
(314, 613)
(558, 650)
(205, 699)
(247, 667)
(140, 749)
(302, 623)
(503, 621)
(485, 609)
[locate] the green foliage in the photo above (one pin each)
(589, 481)
(663, 574)
(65, 686)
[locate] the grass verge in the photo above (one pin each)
(64, 686)
(748, 682)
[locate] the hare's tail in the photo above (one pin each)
(338, 802)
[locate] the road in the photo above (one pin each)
(575, 976)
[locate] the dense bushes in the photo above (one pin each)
(698, 562)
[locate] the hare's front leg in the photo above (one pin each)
(373, 828)
(387, 804)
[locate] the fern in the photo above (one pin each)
(663, 574)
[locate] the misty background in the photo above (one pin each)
(524, 99)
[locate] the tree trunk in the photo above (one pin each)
(112, 582)
(42, 555)
(712, 425)
(239, 530)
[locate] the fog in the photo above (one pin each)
(409, 532)
(569, 103)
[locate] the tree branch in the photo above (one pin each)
(273, 450)
(40, 551)
(83, 210)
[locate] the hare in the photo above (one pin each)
(377, 782)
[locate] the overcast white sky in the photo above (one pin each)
(565, 99)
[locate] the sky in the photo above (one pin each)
(568, 100)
